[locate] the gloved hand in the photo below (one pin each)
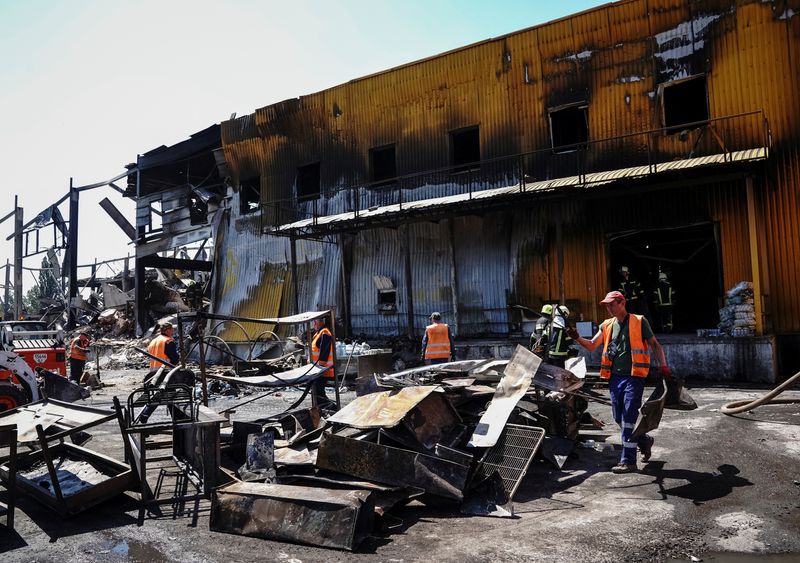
(572, 332)
(665, 372)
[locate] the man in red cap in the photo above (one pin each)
(627, 341)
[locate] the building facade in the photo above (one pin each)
(658, 134)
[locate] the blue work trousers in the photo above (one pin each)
(626, 400)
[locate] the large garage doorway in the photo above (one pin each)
(690, 258)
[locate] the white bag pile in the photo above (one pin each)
(738, 316)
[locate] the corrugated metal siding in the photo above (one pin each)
(614, 57)
(431, 272)
(377, 252)
(319, 275)
(252, 272)
(482, 274)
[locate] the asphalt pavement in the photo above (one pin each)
(716, 486)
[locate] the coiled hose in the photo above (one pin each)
(737, 407)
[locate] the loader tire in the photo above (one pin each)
(11, 397)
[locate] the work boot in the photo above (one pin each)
(624, 468)
(647, 449)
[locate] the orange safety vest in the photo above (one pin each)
(438, 346)
(315, 353)
(640, 355)
(75, 351)
(156, 348)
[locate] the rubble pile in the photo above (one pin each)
(738, 317)
(462, 433)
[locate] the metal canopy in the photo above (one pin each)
(482, 199)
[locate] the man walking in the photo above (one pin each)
(627, 340)
(437, 344)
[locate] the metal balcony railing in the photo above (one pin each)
(651, 151)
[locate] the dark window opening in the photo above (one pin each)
(569, 128)
(382, 165)
(387, 301)
(308, 182)
(689, 257)
(387, 295)
(198, 210)
(465, 149)
(250, 194)
(685, 102)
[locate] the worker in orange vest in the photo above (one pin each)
(437, 344)
(163, 346)
(627, 340)
(322, 355)
(76, 354)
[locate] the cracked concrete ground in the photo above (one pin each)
(714, 484)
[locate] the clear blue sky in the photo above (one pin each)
(89, 84)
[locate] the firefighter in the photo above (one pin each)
(437, 344)
(559, 341)
(664, 299)
(542, 329)
(630, 287)
(76, 354)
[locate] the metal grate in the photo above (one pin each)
(511, 455)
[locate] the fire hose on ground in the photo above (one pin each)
(737, 407)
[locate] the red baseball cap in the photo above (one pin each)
(612, 296)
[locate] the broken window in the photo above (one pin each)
(387, 295)
(569, 128)
(198, 210)
(382, 165)
(465, 149)
(250, 194)
(155, 216)
(685, 101)
(308, 182)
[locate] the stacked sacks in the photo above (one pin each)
(738, 316)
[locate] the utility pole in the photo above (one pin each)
(6, 308)
(73, 254)
(17, 258)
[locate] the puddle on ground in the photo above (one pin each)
(126, 550)
(743, 558)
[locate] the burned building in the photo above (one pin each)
(177, 190)
(661, 135)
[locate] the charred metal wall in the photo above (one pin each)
(615, 59)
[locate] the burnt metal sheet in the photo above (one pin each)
(66, 417)
(511, 456)
(515, 382)
(84, 477)
(431, 419)
(489, 498)
(295, 455)
(384, 409)
(554, 378)
(294, 376)
(651, 411)
(310, 515)
(392, 466)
